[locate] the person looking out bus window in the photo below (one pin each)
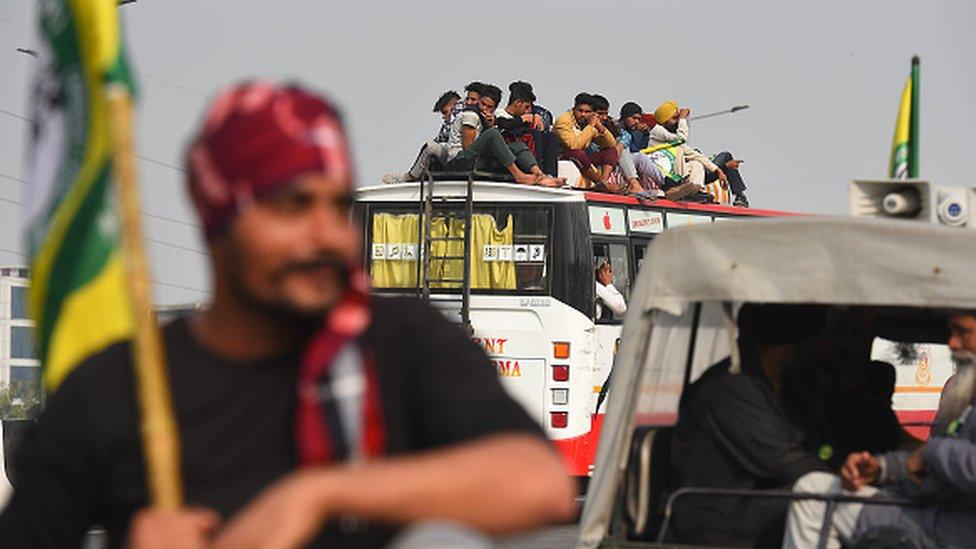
(310, 413)
(672, 128)
(449, 105)
(734, 432)
(576, 129)
(477, 144)
(941, 473)
(607, 294)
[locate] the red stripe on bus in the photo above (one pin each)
(710, 208)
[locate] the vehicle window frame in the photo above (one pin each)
(607, 240)
(493, 208)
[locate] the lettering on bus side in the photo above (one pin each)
(507, 368)
(492, 345)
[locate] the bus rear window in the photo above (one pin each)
(509, 249)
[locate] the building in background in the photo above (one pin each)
(19, 368)
(20, 371)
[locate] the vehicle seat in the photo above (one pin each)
(892, 537)
(646, 483)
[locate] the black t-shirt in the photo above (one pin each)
(82, 465)
(733, 432)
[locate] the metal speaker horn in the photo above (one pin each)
(892, 198)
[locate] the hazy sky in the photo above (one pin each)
(823, 79)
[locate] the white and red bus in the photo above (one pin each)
(532, 302)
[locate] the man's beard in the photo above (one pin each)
(958, 395)
(285, 314)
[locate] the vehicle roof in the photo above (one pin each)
(491, 191)
(856, 261)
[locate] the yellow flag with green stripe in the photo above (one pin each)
(904, 147)
(78, 295)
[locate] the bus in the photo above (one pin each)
(531, 297)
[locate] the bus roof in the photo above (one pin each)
(489, 191)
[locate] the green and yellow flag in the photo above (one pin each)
(78, 296)
(904, 147)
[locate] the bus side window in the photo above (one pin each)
(616, 254)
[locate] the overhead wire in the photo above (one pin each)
(154, 281)
(144, 212)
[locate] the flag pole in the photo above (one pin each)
(913, 124)
(160, 437)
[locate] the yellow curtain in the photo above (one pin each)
(492, 264)
(395, 250)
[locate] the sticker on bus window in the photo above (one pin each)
(537, 252)
(505, 252)
(379, 251)
(393, 251)
(409, 252)
(521, 252)
(489, 253)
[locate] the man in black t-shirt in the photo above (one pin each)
(308, 412)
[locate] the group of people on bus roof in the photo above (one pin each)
(643, 154)
(806, 408)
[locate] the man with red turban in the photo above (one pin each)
(309, 413)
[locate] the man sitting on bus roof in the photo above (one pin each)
(641, 174)
(672, 128)
(634, 132)
(518, 121)
(449, 105)
(476, 144)
(940, 474)
(576, 129)
(734, 432)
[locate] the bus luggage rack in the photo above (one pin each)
(428, 283)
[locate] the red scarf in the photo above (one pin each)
(317, 442)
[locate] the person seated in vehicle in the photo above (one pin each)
(433, 154)
(672, 128)
(518, 121)
(733, 431)
(576, 129)
(639, 173)
(476, 144)
(610, 302)
(940, 474)
(837, 395)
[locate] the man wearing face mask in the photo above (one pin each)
(940, 474)
(310, 414)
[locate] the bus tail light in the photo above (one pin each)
(560, 349)
(559, 420)
(560, 372)
(560, 397)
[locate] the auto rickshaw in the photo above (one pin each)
(681, 320)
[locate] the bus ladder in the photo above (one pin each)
(464, 215)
